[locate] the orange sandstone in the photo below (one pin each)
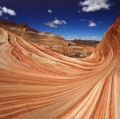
(36, 83)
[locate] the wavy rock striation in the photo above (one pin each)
(53, 42)
(36, 83)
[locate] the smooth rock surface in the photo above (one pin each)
(36, 83)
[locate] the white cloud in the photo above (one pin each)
(92, 24)
(83, 20)
(79, 11)
(50, 11)
(7, 11)
(55, 22)
(50, 24)
(1, 13)
(59, 22)
(94, 5)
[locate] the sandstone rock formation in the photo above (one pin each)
(36, 83)
(53, 42)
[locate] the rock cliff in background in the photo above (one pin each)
(36, 83)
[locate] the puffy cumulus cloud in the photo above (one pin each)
(94, 5)
(59, 22)
(7, 11)
(92, 24)
(55, 22)
(50, 11)
(50, 24)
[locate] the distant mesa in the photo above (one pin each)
(85, 42)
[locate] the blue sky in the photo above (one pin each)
(72, 19)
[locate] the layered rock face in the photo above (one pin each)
(53, 42)
(36, 83)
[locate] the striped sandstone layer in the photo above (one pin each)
(36, 83)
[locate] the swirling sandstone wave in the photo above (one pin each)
(36, 83)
